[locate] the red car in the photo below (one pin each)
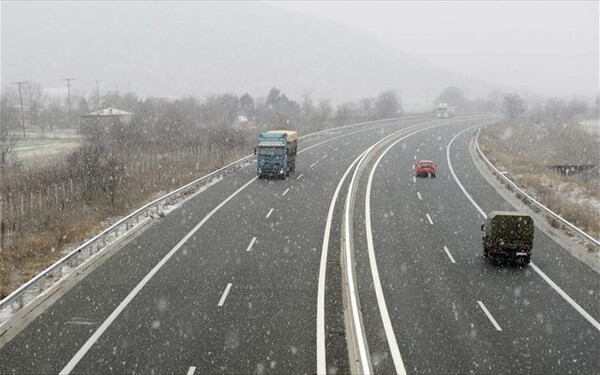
(426, 168)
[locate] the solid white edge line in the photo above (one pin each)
(429, 218)
(285, 192)
(489, 315)
(251, 244)
(96, 335)
(321, 352)
(537, 270)
(419, 195)
(90, 342)
(299, 177)
(449, 255)
(362, 350)
(385, 317)
(270, 212)
(224, 296)
(192, 370)
(566, 297)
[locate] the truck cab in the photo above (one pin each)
(276, 153)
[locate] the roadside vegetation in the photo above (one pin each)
(47, 208)
(550, 155)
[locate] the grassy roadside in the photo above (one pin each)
(527, 151)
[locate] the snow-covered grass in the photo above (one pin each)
(525, 153)
(38, 149)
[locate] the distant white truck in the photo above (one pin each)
(445, 110)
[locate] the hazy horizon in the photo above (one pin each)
(337, 50)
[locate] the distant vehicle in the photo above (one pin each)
(276, 153)
(508, 236)
(446, 111)
(426, 168)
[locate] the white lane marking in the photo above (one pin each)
(489, 315)
(299, 177)
(324, 156)
(346, 144)
(414, 179)
(313, 164)
(286, 191)
(321, 360)
(98, 333)
(90, 342)
(449, 255)
(270, 212)
(361, 340)
(537, 270)
(335, 149)
(251, 244)
(415, 157)
(419, 195)
(566, 297)
(191, 371)
(225, 293)
(418, 149)
(413, 166)
(385, 317)
(429, 218)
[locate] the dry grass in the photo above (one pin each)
(43, 234)
(525, 151)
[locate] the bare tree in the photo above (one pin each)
(7, 140)
(34, 97)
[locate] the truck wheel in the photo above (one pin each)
(260, 176)
(433, 175)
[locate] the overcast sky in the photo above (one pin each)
(549, 46)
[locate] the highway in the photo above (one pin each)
(246, 277)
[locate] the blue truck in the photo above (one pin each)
(276, 153)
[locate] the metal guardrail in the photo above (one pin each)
(584, 236)
(17, 298)
(100, 241)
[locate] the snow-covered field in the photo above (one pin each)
(37, 148)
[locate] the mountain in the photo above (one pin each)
(199, 48)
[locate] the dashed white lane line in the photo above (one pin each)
(313, 164)
(251, 244)
(414, 179)
(419, 195)
(224, 296)
(335, 149)
(449, 255)
(270, 212)
(324, 156)
(537, 270)
(413, 167)
(191, 371)
(415, 157)
(490, 317)
(429, 218)
(299, 177)
(286, 191)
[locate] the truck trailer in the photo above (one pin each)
(508, 236)
(445, 110)
(276, 153)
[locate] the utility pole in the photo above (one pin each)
(21, 83)
(97, 94)
(525, 96)
(69, 92)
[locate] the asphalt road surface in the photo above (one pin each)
(230, 281)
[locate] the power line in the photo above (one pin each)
(21, 83)
(69, 91)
